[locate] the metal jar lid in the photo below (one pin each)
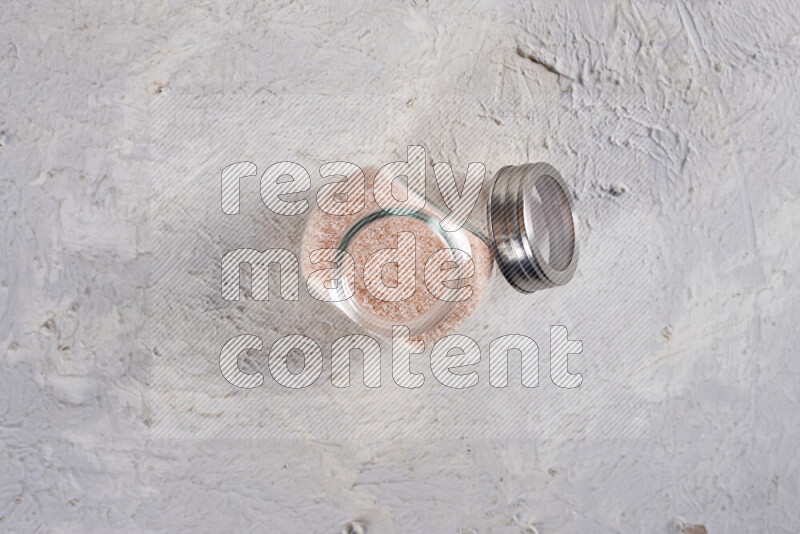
(533, 227)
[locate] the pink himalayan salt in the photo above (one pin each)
(326, 231)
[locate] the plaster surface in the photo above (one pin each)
(714, 132)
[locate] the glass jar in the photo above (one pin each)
(437, 278)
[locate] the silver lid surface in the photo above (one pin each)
(533, 227)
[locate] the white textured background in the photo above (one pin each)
(718, 150)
